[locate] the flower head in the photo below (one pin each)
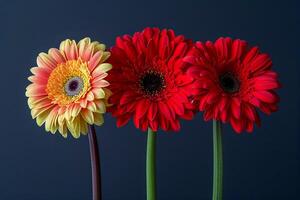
(149, 80)
(235, 80)
(68, 90)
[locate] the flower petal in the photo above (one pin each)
(88, 116)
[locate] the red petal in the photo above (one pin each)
(122, 120)
(144, 124)
(136, 121)
(151, 51)
(141, 108)
(177, 106)
(237, 125)
(183, 80)
(238, 48)
(163, 44)
(212, 97)
(175, 126)
(249, 112)
(152, 111)
(266, 96)
(224, 116)
(236, 107)
(127, 97)
(190, 59)
(222, 46)
(261, 62)
(203, 103)
(164, 110)
(254, 101)
(163, 123)
(250, 55)
(154, 125)
(193, 71)
(249, 126)
(179, 50)
(208, 115)
(222, 103)
(118, 56)
(188, 115)
(266, 85)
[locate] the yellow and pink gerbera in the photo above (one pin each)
(68, 89)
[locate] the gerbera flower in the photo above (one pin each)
(68, 87)
(235, 80)
(149, 80)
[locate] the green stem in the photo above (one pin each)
(151, 166)
(218, 161)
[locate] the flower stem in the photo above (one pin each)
(218, 161)
(150, 165)
(95, 163)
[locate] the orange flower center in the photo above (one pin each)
(68, 82)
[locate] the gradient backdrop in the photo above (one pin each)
(35, 165)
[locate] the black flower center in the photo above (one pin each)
(152, 82)
(73, 86)
(229, 83)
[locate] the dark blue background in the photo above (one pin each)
(35, 165)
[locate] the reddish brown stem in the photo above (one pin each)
(95, 163)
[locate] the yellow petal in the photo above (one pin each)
(37, 111)
(84, 42)
(41, 104)
(98, 119)
(83, 126)
(65, 45)
(61, 119)
(105, 67)
(74, 127)
(90, 96)
(44, 60)
(57, 55)
(34, 90)
(108, 93)
(96, 83)
(88, 52)
(76, 110)
(33, 70)
(88, 116)
(92, 106)
(94, 61)
(68, 113)
(98, 73)
(51, 121)
(105, 56)
(63, 130)
(99, 46)
(98, 93)
(32, 101)
(41, 118)
(101, 107)
(83, 103)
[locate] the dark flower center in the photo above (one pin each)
(152, 82)
(73, 86)
(229, 83)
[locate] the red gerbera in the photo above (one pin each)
(234, 81)
(148, 80)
